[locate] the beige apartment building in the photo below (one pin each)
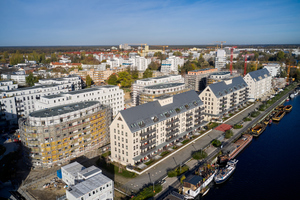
(223, 97)
(58, 134)
(259, 83)
(142, 132)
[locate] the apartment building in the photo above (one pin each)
(20, 102)
(197, 79)
(96, 75)
(220, 60)
(137, 62)
(8, 85)
(109, 95)
(142, 132)
(273, 68)
(139, 85)
(90, 183)
(171, 64)
(223, 97)
(71, 82)
(218, 77)
(259, 83)
(19, 78)
(57, 134)
(150, 93)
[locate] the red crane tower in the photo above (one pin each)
(231, 58)
(246, 56)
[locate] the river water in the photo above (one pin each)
(269, 168)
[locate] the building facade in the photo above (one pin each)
(220, 60)
(8, 85)
(58, 134)
(71, 82)
(197, 79)
(139, 85)
(259, 83)
(109, 95)
(223, 97)
(274, 69)
(142, 132)
(150, 93)
(171, 64)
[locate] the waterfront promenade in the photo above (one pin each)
(174, 182)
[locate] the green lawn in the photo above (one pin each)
(185, 141)
(115, 169)
(148, 192)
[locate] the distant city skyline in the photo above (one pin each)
(172, 22)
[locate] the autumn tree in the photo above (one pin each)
(112, 80)
(89, 81)
(147, 73)
(125, 79)
(30, 80)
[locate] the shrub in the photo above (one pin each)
(178, 171)
(185, 141)
(237, 126)
(255, 114)
(149, 162)
(216, 143)
(212, 125)
(148, 192)
(164, 153)
(199, 155)
(231, 114)
(172, 173)
(247, 119)
(182, 179)
(228, 134)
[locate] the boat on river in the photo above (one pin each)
(234, 149)
(278, 116)
(280, 107)
(195, 184)
(288, 108)
(258, 129)
(224, 173)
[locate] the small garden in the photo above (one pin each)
(148, 192)
(255, 114)
(178, 171)
(198, 155)
(237, 126)
(216, 143)
(228, 134)
(164, 153)
(184, 142)
(212, 125)
(247, 119)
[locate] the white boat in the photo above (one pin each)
(225, 173)
(292, 95)
(193, 185)
(296, 93)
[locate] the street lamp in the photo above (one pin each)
(175, 161)
(151, 181)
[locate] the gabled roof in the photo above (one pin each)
(221, 88)
(146, 114)
(259, 73)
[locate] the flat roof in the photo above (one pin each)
(62, 109)
(33, 87)
(162, 86)
(73, 168)
(90, 171)
(220, 73)
(88, 185)
(197, 70)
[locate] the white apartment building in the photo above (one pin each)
(108, 95)
(223, 97)
(273, 68)
(142, 132)
(171, 64)
(259, 83)
(114, 62)
(71, 82)
(220, 60)
(8, 85)
(92, 184)
(19, 78)
(139, 85)
(20, 102)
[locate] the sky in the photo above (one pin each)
(160, 22)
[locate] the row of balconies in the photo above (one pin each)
(148, 132)
(143, 140)
(172, 127)
(148, 144)
(172, 121)
(172, 132)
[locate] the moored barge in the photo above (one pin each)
(288, 108)
(258, 129)
(278, 116)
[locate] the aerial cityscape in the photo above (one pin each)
(167, 100)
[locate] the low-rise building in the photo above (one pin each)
(223, 97)
(142, 132)
(109, 95)
(86, 183)
(259, 83)
(8, 85)
(71, 82)
(139, 85)
(58, 134)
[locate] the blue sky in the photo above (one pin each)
(112, 22)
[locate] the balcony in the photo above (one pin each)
(20, 110)
(198, 120)
(147, 145)
(148, 138)
(37, 97)
(148, 132)
(172, 138)
(172, 132)
(19, 101)
(189, 124)
(197, 115)
(189, 114)
(172, 127)
(172, 121)
(189, 119)
(189, 129)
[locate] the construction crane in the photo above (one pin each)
(245, 67)
(231, 58)
(221, 43)
(164, 46)
(141, 46)
(288, 72)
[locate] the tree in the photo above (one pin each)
(124, 79)
(135, 73)
(112, 80)
(182, 179)
(147, 73)
(89, 81)
(160, 55)
(53, 58)
(177, 53)
(280, 56)
(30, 80)
(16, 58)
(154, 65)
